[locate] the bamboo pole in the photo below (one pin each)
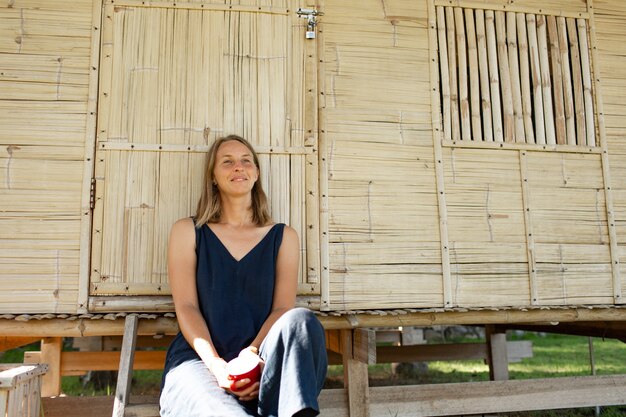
(433, 15)
(557, 81)
(494, 78)
(90, 145)
(454, 86)
(512, 45)
(577, 83)
(537, 87)
(586, 70)
(505, 78)
(483, 67)
(530, 240)
(527, 109)
(546, 83)
(466, 131)
(445, 72)
(568, 94)
(474, 75)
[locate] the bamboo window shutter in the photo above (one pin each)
(513, 77)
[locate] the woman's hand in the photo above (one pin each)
(251, 392)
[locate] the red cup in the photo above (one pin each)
(242, 367)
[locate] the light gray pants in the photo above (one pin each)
(295, 368)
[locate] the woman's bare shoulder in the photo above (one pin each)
(183, 228)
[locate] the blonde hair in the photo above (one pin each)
(209, 208)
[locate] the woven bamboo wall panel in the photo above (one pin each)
(570, 230)
(383, 286)
(383, 220)
(43, 77)
(44, 81)
(566, 198)
(55, 126)
(243, 73)
(39, 259)
(488, 262)
(63, 29)
(373, 125)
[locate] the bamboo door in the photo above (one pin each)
(173, 77)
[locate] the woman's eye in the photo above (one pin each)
(227, 162)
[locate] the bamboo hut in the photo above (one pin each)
(460, 158)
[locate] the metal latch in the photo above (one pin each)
(311, 16)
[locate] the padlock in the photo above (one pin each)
(310, 34)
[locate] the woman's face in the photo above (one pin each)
(234, 171)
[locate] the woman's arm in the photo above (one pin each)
(286, 283)
(181, 268)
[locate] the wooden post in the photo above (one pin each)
(127, 356)
(497, 354)
(51, 354)
(355, 378)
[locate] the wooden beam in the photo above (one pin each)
(605, 329)
(169, 326)
(11, 342)
(448, 352)
(498, 396)
(127, 356)
(78, 363)
(362, 347)
(85, 327)
(355, 379)
(497, 354)
(51, 354)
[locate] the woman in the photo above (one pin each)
(233, 275)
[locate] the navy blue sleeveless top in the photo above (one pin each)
(235, 297)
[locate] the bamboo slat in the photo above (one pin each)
(505, 78)
(525, 80)
(494, 78)
(464, 105)
(537, 83)
(577, 82)
(454, 81)
(586, 69)
(557, 81)
(568, 94)
(474, 79)
(445, 73)
(516, 89)
(483, 66)
(546, 83)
